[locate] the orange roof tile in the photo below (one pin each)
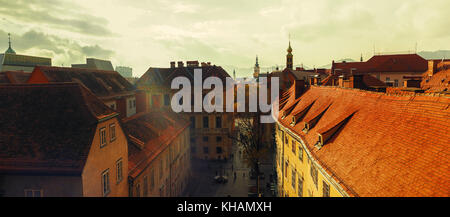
(392, 146)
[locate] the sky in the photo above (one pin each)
(143, 34)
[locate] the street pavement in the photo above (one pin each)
(202, 183)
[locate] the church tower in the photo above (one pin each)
(289, 57)
(256, 69)
(10, 50)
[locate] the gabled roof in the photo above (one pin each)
(150, 134)
(14, 77)
(104, 84)
(164, 76)
(389, 145)
(47, 128)
(384, 63)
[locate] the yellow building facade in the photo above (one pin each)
(298, 173)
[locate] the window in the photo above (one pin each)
(293, 178)
(314, 174)
(119, 166)
(218, 122)
(152, 180)
(113, 106)
(34, 193)
(166, 99)
(192, 122)
(300, 153)
(161, 169)
(219, 150)
(105, 182)
(193, 149)
(134, 103)
(205, 150)
(286, 169)
(112, 132)
(388, 79)
(218, 139)
(102, 137)
(300, 186)
(326, 189)
(205, 139)
(293, 146)
(138, 190)
(145, 194)
(205, 122)
(395, 83)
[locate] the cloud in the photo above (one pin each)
(55, 14)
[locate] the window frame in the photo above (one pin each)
(119, 171)
(106, 189)
(207, 121)
(103, 140)
(112, 133)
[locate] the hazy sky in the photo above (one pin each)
(141, 34)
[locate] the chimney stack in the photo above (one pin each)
(299, 87)
(180, 64)
(172, 64)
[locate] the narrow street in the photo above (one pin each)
(202, 183)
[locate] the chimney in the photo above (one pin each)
(316, 80)
(356, 81)
(311, 81)
(299, 87)
(180, 64)
(172, 64)
(192, 63)
(341, 81)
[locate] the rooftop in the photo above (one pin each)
(150, 134)
(47, 128)
(375, 144)
(104, 84)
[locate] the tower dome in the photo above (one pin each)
(10, 50)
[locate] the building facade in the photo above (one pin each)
(159, 154)
(209, 132)
(60, 140)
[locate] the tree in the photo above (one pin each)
(249, 136)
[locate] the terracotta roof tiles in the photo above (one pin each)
(392, 146)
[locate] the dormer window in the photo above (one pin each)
(328, 132)
(312, 121)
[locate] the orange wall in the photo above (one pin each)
(103, 158)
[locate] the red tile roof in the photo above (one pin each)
(149, 135)
(438, 83)
(385, 63)
(104, 84)
(14, 77)
(47, 128)
(391, 146)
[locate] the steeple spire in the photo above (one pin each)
(289, 56)
(9, 50)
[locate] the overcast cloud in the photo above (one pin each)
(141, 34)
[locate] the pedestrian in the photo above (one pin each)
(235, 175)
